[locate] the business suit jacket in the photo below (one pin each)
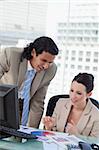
(88, 124)
(12, 71)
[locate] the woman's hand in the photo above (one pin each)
(71, 128)
(48, 122)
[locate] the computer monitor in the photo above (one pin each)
(9, 109)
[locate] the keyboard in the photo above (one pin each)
(14, 132)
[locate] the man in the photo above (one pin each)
(14, 63)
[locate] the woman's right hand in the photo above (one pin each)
(48, 122)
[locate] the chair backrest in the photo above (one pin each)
(95, 102)
(52, 103)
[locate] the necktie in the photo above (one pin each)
(26, 95)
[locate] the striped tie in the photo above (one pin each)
(26, 95)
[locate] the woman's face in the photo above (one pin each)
(78, 94)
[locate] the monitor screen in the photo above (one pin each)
(9, 109)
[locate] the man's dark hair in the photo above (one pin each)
(40, 44)
(86, 79)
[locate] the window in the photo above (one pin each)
(74, 25)
(87, 68)
(87, 59)
(72, 66)
(73, 58)
(96, 54)
(80, 59)
(73, 53)
(95, 68)
(80, 53)
(88, 53)
(95, 60)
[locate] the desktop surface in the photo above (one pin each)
(36, 145)
(29, 145)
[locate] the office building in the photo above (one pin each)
(21, 20)
(74, 25)
(77, 35)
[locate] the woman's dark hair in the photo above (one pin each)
(86, 79)
(40, 44)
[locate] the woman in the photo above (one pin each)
(76, 115)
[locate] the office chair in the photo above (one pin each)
(95, 102)
(52, 103)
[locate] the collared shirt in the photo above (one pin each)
(29, 67)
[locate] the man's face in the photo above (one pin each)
(42, 61)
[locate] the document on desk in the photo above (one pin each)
(26, 129)
(37, 132)
(61, 139)
(64, 140)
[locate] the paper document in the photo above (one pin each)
(26, 129)
(65, 140)
(61, 139)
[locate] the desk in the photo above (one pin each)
(36, 145)
(90, 139)
(29, 145)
